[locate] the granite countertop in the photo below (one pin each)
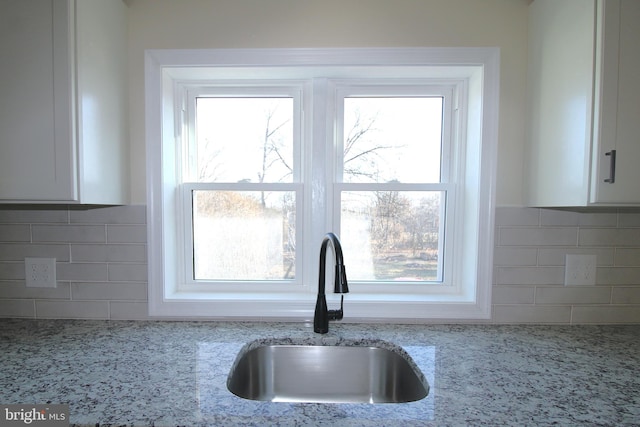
(174, 373)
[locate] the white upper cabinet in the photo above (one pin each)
(63, 108)
(584, 103)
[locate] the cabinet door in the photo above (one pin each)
(36, 138)
(560, 80)
(102, 101)
(620, 105)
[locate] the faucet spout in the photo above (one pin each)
(322, 313)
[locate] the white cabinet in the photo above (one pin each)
(63, 108)
(584, 103)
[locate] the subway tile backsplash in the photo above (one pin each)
(101, 261)
(528, 281)
(102, 264)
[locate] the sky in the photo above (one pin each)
(405, 133)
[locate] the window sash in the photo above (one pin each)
(398, 88)
(189, 283)
(249, 89)
(186, 155)
(446, 232)
(449, 92)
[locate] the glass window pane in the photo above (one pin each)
(244, 139)
(392, 139)
(244, 235)
(392, 235)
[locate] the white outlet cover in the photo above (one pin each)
(580, 270)
(40, 272)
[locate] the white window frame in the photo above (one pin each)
(405, 87)
(249, 88)
(477, 72)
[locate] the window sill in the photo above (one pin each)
(300, 306)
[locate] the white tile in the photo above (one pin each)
(543, 314)
(17, 308)
(626, 295)
(628, 219)
(127, 272)
(109, 291)
(128, 253)
(559, 236)
(15, 233)
(515, 256)
(69, 233)
(121, 310)
(618, 276)
(573, 295)
(18, 289)
(598, 219)
(108, 253)
(627, 257)
(529, 275)
(621, 314)
(513, 294)
(126, 214)
(126, 233)
(597, 237)
(609, 237)
(550, 217)
(20, 251)
(33, 215)
(78, 272)
(89, 253)
(517, 216)
(13, 270)
(72, 309)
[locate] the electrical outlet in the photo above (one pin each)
(40, 272)
(580, 270)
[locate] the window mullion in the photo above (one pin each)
(318, 164)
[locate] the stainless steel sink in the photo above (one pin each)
(327, 374)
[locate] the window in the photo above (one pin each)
(393, 190)
(242, 186)
(255, 155)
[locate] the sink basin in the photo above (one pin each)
(368, 372)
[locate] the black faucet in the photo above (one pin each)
(322, 314)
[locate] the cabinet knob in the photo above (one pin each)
(612, 166)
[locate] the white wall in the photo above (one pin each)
(158, 24)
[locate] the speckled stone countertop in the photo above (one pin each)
(174, 374)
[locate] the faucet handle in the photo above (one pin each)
(337, 314)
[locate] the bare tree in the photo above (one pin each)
(207, 166)
(422, 226)
(389, 212)
(272, 150)
(356, 157)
